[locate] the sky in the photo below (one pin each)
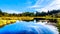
(19, 6)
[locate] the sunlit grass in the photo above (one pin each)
(5, 22)
(16, 18)
(9, 20)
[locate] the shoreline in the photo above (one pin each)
(6, 22)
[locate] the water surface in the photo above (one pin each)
(22, 27)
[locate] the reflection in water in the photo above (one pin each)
(28, 28)
(49, 26)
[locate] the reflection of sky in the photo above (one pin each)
(27, 27)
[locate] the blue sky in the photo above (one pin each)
(18, 6)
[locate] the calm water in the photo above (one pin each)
(22, 27)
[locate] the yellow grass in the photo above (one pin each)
(16, 18)
(5, 22)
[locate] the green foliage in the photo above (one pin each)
(28, 14)
(16, 15)
(53, 13)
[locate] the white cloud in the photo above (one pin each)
(42, 10)
(37, 5)
(12, 11)
(53, 5)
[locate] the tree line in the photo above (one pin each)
(55, 13)
(31, 14)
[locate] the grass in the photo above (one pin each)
(5, 22)
(16, 18)
(8, 20)
(58, 24)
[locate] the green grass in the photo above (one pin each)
(58, 24)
